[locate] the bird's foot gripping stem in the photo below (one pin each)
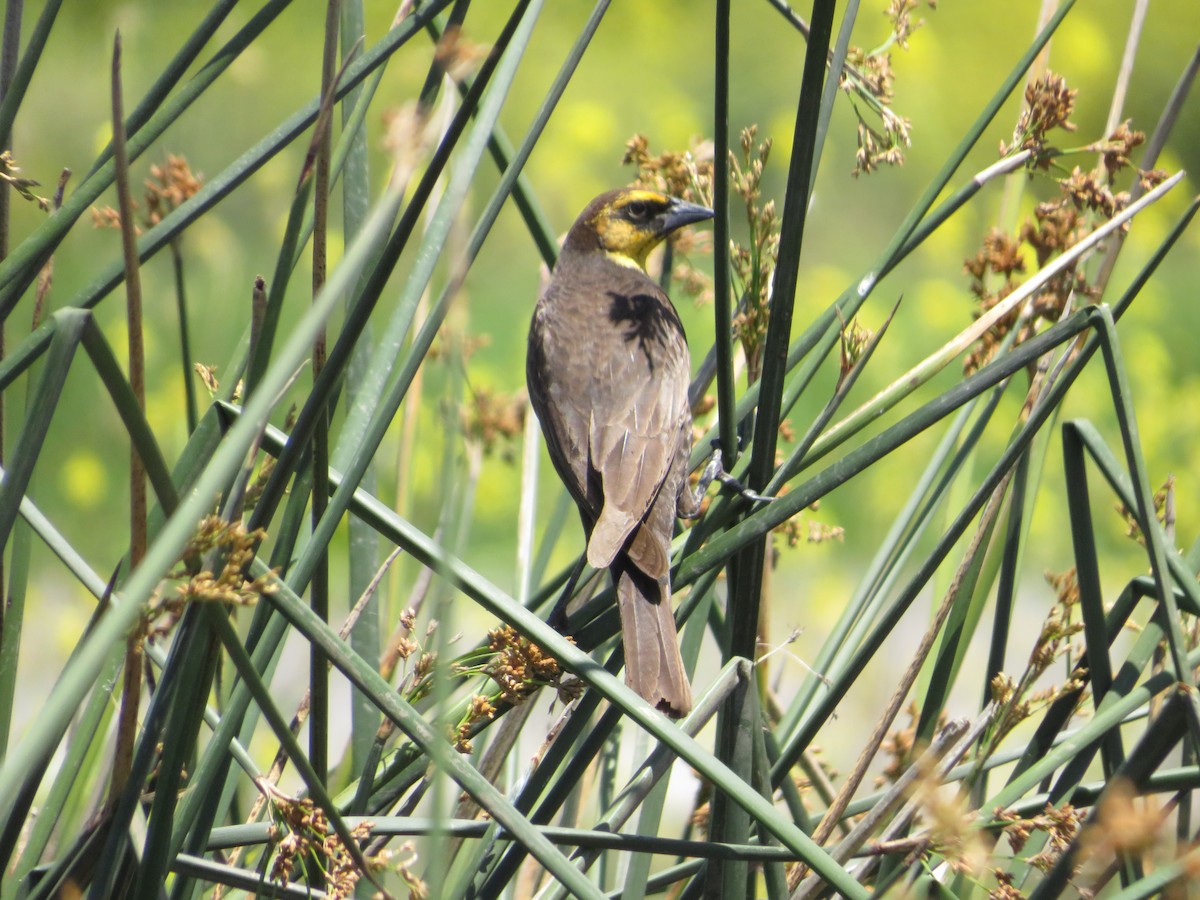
(714, 470)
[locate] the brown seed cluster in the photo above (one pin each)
(1049, 104)
(450, 344)
(10, 174)
(458, 57)
(301, 829)
(480, 711)
(495, 420)
(753, 265)
(169, 186)
(1133, 530)
(418, 679)
(1059, 824)
(949, 823)
(1055, 227)
(881, 146)
(898, 745)
(868, 79)
(1085, 199)
(1004, 889)
(795, 530)
(520, 666)
(1015, 698)
(689, 176)
(900, 12)
(206, 373)
(1116, 149)
(874, 74)
(854, 340)
(235, 548)
(1124, 824)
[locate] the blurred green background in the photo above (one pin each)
(648, 71)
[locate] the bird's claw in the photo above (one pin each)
(714, 470)
(730, 482)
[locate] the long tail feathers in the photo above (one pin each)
(653, 666)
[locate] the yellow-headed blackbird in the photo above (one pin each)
(608, 373)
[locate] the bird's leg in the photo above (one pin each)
(558, 616)
(714, 470)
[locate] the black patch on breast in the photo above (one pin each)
(646, 319)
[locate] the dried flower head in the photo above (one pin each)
(1056, 226)
(107, 217)
(870, 73)
(406, 647)
(460, 738)
(898, 745)
(903, 24)
(1123, 823)
(481, 708)
(1087, 191)
(854, 341)
(208, 377)
(169, 187)
(820, 533)
(1049, 104)
(457, 56)
(417, 889)
(881, 145)
(424, 667)
(808, 530)
(10, 174)
(1004, 889)
(1116, 149)
(494, 420)
(868, 80)
(453, 345)
(1015, 698)
(946, 814)
(228, 544)
(753, 265)
(1057, 628)
(1085, 198)
(519, 666)
(255, 489)
(300, 828)
(1060, 825)
(992, 272)
(687, 174)
(1161, 500)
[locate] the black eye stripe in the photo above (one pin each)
(639, 210)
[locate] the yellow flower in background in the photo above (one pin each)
(84, 480)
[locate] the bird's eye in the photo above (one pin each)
(637, 209)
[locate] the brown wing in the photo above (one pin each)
(634, 436)
(608, 372)
(553, 374)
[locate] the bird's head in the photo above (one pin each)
(628, 223)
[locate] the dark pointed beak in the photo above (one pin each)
(681, 213)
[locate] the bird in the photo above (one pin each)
(607, 371)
